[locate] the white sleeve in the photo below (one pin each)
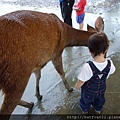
(112, 70)
(86, 73)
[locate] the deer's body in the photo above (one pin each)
(28, 40)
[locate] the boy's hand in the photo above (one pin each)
(78, 84)
(76, 8)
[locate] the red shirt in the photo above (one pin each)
(81, 5)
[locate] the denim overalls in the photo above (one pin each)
(92, 91)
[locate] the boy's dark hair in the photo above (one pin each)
(98, 43)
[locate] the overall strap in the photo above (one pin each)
(107, 68)
(102, 74)
(93, 67)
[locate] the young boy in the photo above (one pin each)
(80, 13)
(92, 78)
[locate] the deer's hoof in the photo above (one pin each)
(32, 104)
(39, 97)
(70, 89)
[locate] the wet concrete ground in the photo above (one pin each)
(56, 99)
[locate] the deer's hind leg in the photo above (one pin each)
(37, 72)
(12, 96)
(26, 104)
(57, 62)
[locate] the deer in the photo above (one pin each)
(28, 41)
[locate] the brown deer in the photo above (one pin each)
(28, 41)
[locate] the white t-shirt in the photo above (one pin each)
(86, 72)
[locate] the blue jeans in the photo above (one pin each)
(96, 99)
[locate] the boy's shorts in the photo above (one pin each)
(80, 18)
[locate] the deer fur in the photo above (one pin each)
(28, 41)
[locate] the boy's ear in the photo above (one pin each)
(90, 52)
(106, 50)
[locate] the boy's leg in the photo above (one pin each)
(85, 103)
(84, 106)
(99, 102)
(81, 26)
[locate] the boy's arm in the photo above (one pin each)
(78, 84)
(76, 7)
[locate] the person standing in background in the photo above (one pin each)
(80, 13)
(66, 7)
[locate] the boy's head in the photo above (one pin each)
(98, 43)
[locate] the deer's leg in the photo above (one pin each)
(26, 104)
(10, 102)
(57, 62)
(4, 117)
(37, 72)
(12, 96)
